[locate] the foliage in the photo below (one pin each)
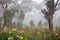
(8, 15)
(29, 34)
(49, 12)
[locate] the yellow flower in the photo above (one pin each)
(21, 37)
(14, 29)
(5, 29)
(22, 31)
(18, 36)
(10, 38)
(54, 29)
(38, 33)
(9, 32)
(56, 34)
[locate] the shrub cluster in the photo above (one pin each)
(29, 34)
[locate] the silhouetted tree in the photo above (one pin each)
(31, 23)
(7, 14)
(40, 24)
(51, 8)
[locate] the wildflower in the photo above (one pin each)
(22, 31)
(56, 34)
(21, 37)
(5, 29)
(9, 32)
(10, 38)
(54, 29)
(18, 36)
(14, 29)
(38, 32)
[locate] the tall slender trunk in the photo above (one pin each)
(50, 23)
(5, 9)
(51, 12)
(5, 19)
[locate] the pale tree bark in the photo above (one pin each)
(5, 9)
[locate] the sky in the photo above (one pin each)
(38, 1)
(36, 17)
(36, 14)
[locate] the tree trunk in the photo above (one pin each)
(50, 23)
(5, 10)
(5, 21)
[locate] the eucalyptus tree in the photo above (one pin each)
(40, 24)
(9, 16)
(24, 7)
(20, 18)
(49, 11)
(31, 23)
(7, 13)
(2, 2)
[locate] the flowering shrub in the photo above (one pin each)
(29, 34)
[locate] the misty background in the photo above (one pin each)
(32, 11)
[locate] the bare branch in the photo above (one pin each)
(57, 9)
(6, 4)
(56, 3)
(2, 5)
